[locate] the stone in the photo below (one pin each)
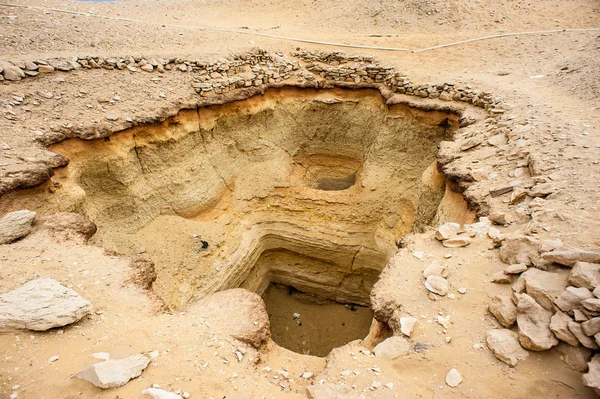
(543, 286)
(407, 324)
(40, 305)
(517, 268)
(571, 298)
(533, 322)
(591, 304)
(591, 327)
(331, 391)
(479, 229)
(392, 348)
(143, 273)
(542, 190)
(435, 269)
(586, 275)
(586, 341)
(559, 324)
(505, 346)
(576, 358)
(447, 230)
(457, 242)
(453, 378)
(147, 68)
(67, 226)
(579, 316)
(519, 249)
(112, 117)
(550, 245)
(504, 310)
(45, 68)
(437, 285)
(16, 225)
(571, 257)
(498, 218)
(114, 373)
(158, 393)
(596, 292)
(11, 71)
(502, 278)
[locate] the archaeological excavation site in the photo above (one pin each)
(283, 204)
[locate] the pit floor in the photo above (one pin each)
(324, 324)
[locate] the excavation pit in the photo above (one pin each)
(304, 188)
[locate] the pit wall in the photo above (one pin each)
(245, 177)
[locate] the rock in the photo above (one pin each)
(15, 225)
(11, 72)
(453, 378)
(579, 316)
(591, 304)
(112, 117)
(331, 391)
(585, 275)
(505, 345)
(407, 324)
(238, 312)
(114, 373)
(498, 218)
(559, 324)
(447, 231)
(435, 269)
(30, 66)
(157, 393)
(45, 68)
(504, 310)
(592, 378)
(53, 359)
(40, 305)
(542, 190)
(502, 278)
(392, 348)
(457, 242)
(533, 322)
(586, 341)
(147, 68)
(480, 228)
(575, 358)
(596, 292)
(591, 327)
(437, 285)
(519, 249)
(517, 268)
(543, 286)
(143, 273)
(550, 245)
(571, 298)
(570, 257)
(66, 226)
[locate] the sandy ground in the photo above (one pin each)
(560, 105)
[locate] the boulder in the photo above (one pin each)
(331, 391)
(502, 278)
(517, 268)
(437, 285)
(65, 226)
(550, 245)
(576, 358)
(519, 249)
(392, 348)
(570, 257)
(11, 72)
(16, 225)
(585, 275)
(543, 286)
(559, 324)
(592, 304)
(504, 310)
(505, 345)
(114, 373)
(571, 298)
(586, 341)
(534, 321)
(592, 378)
(237, 312)
(447, 230)
(40, 305)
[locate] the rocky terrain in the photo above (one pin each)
(157, 180)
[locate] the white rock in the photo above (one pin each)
(407, 324)
(331, 391)
(505, 345)
(392, 348)
(453, 378)
(53, 359)
(437, 285)
(114, 373)
(447, 230)
(462, 290)
(15, 225)
(101, 355)
(40, 305)
(160, 394)
(435, 269)
(457, 242)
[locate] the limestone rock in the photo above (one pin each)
(571, 298)
(505, 345)
(480, 228)
(550, 245)
(592, 378)
(407, 324)
(502, 278)
(542, 190)
(435, 269)
(504, 310)
(586, 341)
(437, 285)
(517, 268)
(392, 348)
(238, 312)
(519, 249)
(576, 358)
(331, 391)
(592, 304)
(498, 218)
(533, 321)
(543, 286)
(559, 324)
(591, 327)
(447, 230)
(570, 257)
(40, 305)
(453, 378)
(66, 226)
(15, 225)
(11, 72)
(157, 393)
(457, 242)
(114, 373)
(585, 275)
